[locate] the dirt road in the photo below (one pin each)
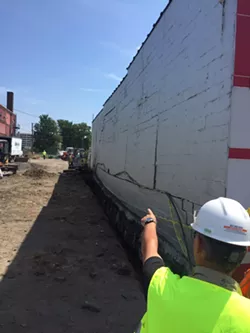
(62, 268)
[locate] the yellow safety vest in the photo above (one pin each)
(186, 304)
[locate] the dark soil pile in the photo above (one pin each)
(38, 173)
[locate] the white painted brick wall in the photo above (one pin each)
(178, 86)
(238, 170)
(240, 118)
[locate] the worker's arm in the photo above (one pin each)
(149, 237)
(150, 256)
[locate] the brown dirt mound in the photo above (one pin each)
(38, 173)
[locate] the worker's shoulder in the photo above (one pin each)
(242, 304)
(242, 300)
(164, 274)
(162, 280)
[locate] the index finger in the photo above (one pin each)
(150, 211)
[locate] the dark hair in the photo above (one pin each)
(224, 255)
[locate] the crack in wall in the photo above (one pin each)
(223, 3)
(178, 213)
(156, 151)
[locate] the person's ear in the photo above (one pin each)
(200, 247)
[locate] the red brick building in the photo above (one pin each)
(7, 117)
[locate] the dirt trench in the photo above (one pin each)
(62, 267)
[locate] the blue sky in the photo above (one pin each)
(65, 57)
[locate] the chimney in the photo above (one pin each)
(10, 100)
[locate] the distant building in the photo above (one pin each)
(7, 117)
(27, 140)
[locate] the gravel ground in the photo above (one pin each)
(62, 268)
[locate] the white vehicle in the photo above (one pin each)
(61, 152)
(16, 147)
(11, 147)
(69, 150)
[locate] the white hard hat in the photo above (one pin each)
(225, 220)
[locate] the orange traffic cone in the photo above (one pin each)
(245, 285)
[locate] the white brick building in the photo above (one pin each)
(180, 114)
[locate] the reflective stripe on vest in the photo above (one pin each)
(189, 305)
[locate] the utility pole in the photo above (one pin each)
(32, 136)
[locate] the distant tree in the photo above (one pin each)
(66, 132)
(82, 134)
(46, 135)
(75, 135)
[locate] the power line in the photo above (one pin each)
(28, 114)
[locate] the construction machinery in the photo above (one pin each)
(5, 158)
(67, 153)
(12, 147)
(78, 159)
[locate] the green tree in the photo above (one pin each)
(82, 134)
(75, 135)
(46, 135)
(66, 132)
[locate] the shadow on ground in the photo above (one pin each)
(71, 273)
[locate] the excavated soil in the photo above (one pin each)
(62, 267)
(38, 173)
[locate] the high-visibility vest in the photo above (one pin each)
(187, 304)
